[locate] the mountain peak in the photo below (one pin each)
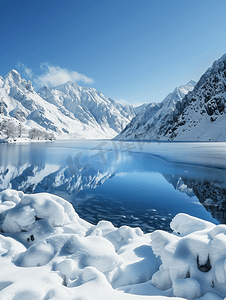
(14, 72)
(67, 110)
(191, 83)
(69, 84)
(147, 123)
(44, 89)
(220, 63)
(13, 75)
(193, 112)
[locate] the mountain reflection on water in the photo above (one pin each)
(123, 186)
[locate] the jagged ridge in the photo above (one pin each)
(148, 123)
(198, 116)
(69, 111)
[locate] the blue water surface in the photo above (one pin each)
(137, 184)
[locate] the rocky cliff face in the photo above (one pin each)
(199, 116)
(148, 123)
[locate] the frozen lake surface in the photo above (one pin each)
(142, 184)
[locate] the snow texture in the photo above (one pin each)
(68, 111)
(192, 114)
(48, 252)
(149, 120)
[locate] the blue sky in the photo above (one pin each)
(131, 50)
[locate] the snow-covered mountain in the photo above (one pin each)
(140, 108)
(199, 116)
(89, 106)
(147, 124)
(69, 111)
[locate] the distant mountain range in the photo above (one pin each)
(68, 110)
(147, 124)
(193, 112)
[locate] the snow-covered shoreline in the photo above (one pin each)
(22, 140)
(48, 252)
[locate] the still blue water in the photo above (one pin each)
(136, 184)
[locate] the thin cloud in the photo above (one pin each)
(26, 70)
(54, 75)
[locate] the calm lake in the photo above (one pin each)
(141, 184)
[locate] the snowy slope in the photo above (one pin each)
(199, 116)
(140, 108)
(89, 106)
(90, 115)
(147, 124)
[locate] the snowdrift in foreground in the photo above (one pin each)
(48, 252)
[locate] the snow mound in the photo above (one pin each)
(193, 258)
(48, 252)
(34, 217)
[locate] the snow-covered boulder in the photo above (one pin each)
(34, 217)
(193, 258)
